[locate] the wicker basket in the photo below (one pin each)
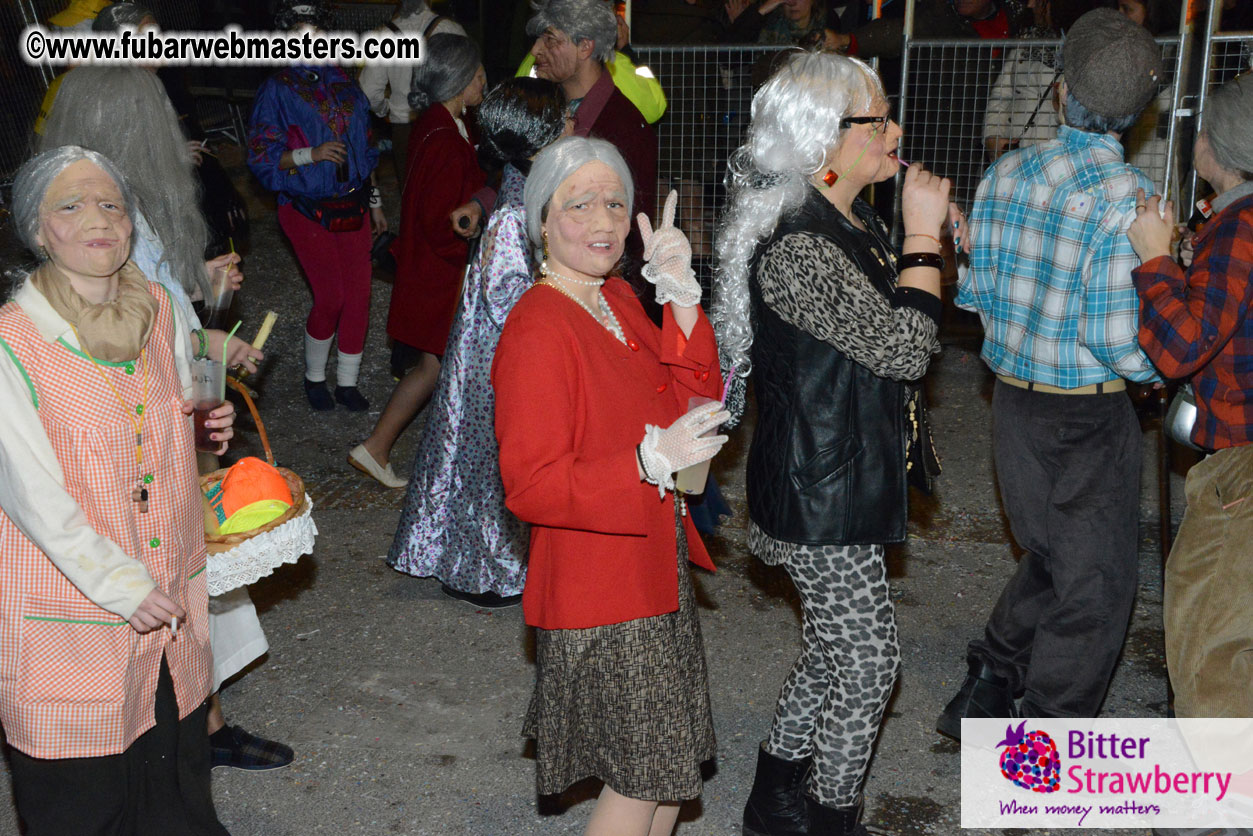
(218, 543)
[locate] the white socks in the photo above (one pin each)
(316, 354)
(349, 365)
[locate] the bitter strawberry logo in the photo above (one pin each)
(1030, 759)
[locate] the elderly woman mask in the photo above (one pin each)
(588, 219)
(84, 229)
(80, 226)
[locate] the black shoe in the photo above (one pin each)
(983, 694)
(775, 805)
(482, 600)
(319, 396)
(834, 821)
(232, 746)
(351, 397)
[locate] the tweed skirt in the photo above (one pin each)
(626, 703)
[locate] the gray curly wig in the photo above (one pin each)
(115, 16)
(591, 20)
(795, 122)
(36, 175)
(1228, 123)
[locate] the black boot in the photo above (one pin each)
(983, 694)
(775, 806)
(835, 821)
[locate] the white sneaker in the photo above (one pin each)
(361, 459)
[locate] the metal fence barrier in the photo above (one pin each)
(966, 102)
(956, 97)
(710, 91)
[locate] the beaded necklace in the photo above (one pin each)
(606, 319)
(547, 271)
(140, 494)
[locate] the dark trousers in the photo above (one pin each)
(158, 787)
(1069, 474)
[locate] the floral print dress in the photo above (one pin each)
(455, 525)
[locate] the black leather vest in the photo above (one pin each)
(827, 461)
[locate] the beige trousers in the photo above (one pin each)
(1208, 603)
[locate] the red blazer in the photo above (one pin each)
(571, 405)
(430, 257)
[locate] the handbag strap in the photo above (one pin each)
(1031, 119)
(430, 27)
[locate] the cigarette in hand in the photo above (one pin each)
(174, 626)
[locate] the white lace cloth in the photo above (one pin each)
(259, 556)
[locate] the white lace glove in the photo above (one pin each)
(682, 444)
(669, 258)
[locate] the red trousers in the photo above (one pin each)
(337, 265)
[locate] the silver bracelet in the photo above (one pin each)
(301, 156)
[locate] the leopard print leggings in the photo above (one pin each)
(834, 697)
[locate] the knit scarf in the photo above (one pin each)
(114, 331)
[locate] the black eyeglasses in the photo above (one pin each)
(880, 122)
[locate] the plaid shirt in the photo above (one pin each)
(1050, 273)
(1198, 325)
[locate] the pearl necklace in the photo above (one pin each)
(606, 319)
(547, 272)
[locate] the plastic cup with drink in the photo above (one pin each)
(220, 295)
(208, 392)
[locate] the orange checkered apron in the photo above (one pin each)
(77, 680)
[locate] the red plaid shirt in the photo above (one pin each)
(1198, 324)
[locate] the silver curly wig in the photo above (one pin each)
(591, 20)
(795, 122)
(147, 146)
(113, 17)
(36, 175)
(556, 163)
(1228, 124)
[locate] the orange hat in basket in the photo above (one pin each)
(251, 480)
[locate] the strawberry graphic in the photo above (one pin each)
(1030, 759)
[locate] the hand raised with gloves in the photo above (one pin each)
(680, 445)
(668, 257)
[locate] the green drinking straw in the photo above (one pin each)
(228, 340)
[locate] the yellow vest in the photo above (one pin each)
(45, 107)
(636, 83)
(78, 11)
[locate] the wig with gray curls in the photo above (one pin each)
(113, 17)
(147, 146)
(580, 20)
(795, 121)
(554, 165)
(1228, 124)
(35, 176)
(449, 63)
